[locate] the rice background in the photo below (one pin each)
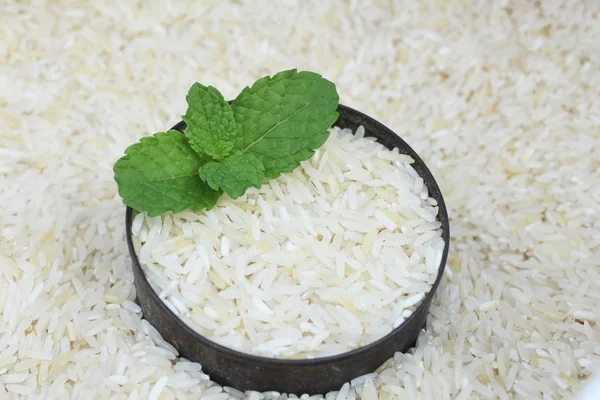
(500, 98)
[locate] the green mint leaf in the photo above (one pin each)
(281, 120)
(234, 175)
(211, 128)
(160, 174)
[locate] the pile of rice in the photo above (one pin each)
(500, 98)
(316, 262)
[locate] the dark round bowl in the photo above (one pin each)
(319, 375)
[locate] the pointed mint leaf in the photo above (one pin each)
(283, 119)
(234, 175)
(211, 127)
(160, 174)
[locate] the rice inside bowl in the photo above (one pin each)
(317, 262)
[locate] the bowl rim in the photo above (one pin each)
(252, 358)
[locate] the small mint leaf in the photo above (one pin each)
(234, 175)
(283, 119)
(211, 127)
(160, 174)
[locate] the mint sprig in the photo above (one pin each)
(268, 130)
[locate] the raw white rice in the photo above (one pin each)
(500, 98)
(338, 270)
